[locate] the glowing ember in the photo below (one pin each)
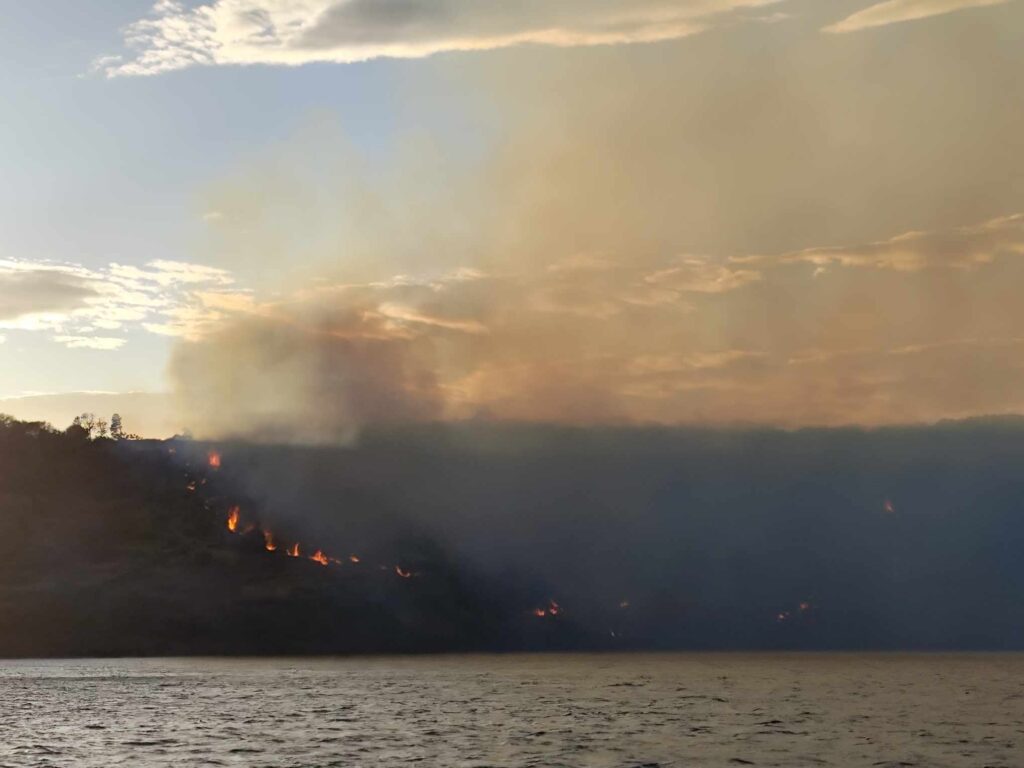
(353, 558)
(233, 515)
(191, 486)
(319, 557)
(214, 459)
(268, 542)
(403, 574)
(888, 507)
(552, 609)
(293, 550)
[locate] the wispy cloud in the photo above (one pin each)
(293, 32)
(81, 306)
(700, 275)
(26, 290)
(895, 11)
(91, 342)
(961, 248)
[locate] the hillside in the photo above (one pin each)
(502, 537)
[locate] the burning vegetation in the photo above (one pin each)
(149, 547)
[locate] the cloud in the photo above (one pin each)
(895, 11)
(79, 306)
(25, 290)
(702, 276)
(90, 342)
(962, 248)
(294, 32)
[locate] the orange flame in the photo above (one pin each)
(268, 541)
(319, 557)
(540, 612)
(214, 459)
(403, 574)
(293, 550)
(233, 515)
(353, 558)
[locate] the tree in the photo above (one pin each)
(90, 424)
(116, 427)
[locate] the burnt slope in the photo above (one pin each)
(507, 537)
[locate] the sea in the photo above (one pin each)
(514, 711)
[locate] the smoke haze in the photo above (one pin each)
(706, 231)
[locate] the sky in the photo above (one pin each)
(288, 219)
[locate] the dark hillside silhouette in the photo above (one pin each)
(502, 537)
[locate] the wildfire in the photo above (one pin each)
(235, 525)
(213, 457)
(552, 609)
(319, 557)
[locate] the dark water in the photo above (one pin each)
(571, 710)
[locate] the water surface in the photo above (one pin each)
(516, 711)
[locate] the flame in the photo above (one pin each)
(191, 486)
(552, 609)
(319, 557)
(213, 457)
(268, 541)
(888, 507)
(353, 558)
(233, 515)
(293, 550)
(403, 574)
(805, 606)
(783, 616)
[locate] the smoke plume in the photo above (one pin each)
(686, 233)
